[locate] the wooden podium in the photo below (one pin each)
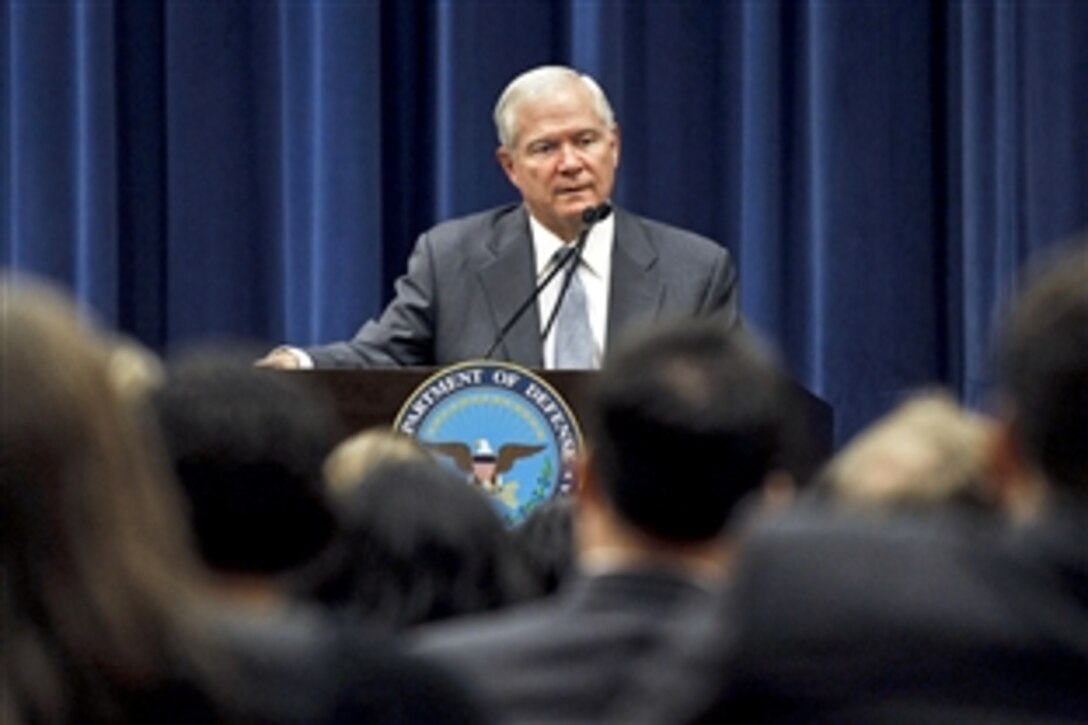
(369, 398)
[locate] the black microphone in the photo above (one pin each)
(590, 216)
(593, 214)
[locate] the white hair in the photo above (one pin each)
(536, 83)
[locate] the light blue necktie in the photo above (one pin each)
(574, 346)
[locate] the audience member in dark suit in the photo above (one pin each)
(249, 446)
(560, 147)
(684, 423)
(941, 617)
(103, 614)
(419, 545)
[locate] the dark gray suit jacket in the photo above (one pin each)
(294, 664)
(466, 277)
(566, 658)
(937, 618)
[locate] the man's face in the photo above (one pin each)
(564, 158)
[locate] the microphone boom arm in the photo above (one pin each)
(590, 217)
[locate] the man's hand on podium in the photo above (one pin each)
(279, 359)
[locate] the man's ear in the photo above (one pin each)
(506, 161)
(589, 482)
(617, 145)
(1014, 482)
(778, 491)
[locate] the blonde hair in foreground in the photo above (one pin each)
(98, 577)
(927, 451)
(358, 455)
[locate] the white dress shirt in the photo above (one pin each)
(595, 272)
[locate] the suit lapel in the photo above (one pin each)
(507, 280)
(636, 288)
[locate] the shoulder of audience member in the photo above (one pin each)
(388, 683)
(815, 522)
(299, 664)
(452, 636)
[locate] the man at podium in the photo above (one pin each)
(549, 282)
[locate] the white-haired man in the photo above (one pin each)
(467, 278)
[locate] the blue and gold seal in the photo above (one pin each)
(501, 426)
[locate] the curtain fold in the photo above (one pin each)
(879, 169)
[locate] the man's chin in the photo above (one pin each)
(572, 209)
(566, 219)
(572, 220)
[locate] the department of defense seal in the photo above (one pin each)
(502, 427)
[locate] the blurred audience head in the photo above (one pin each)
(421, 545)
(927, 452)
(359, 454)
(685, 421)
(248, 446)
(546, 541)
(99, 581)
(1043, 360)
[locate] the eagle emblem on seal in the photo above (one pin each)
(484, 466)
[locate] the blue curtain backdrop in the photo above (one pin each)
(260, 170)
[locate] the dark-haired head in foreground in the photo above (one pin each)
(685, 422)
(545, 540)
(419, 546)
(248, 446)
(1043, 357)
